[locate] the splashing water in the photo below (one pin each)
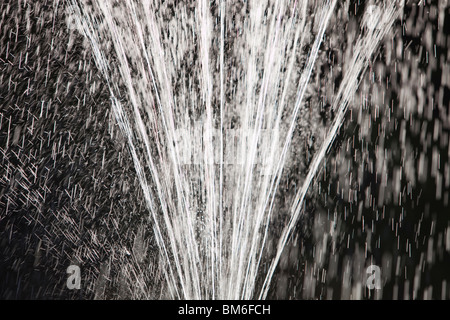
(210, 189)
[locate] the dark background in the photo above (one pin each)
(67, 181)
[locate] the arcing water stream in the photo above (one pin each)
(164, 74)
